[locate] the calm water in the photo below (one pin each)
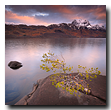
(90, 52)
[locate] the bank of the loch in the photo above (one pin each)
(44, 93)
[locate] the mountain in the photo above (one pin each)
(81, 23)
(84, 24)
(78, 28)
(77, 24)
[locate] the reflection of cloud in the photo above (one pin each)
(24, 49)
(85, 52)
(91, 56)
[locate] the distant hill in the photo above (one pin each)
(76, 29)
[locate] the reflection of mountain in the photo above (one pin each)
(76, 29)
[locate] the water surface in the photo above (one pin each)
(89, 52)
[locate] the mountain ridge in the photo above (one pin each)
(79, 29)
(85, 24)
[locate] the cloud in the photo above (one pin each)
(42, 14)
(61, 13)
(52, 13)
(99, 12)
(28, 9)
(13, 17)
(89, 12)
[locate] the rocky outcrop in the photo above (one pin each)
(48, 94)
(15, 64)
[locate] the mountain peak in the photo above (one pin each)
(81, 22)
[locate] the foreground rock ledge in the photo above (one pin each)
(46, 94)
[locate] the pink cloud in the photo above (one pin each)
(30, 20)
(99, 12)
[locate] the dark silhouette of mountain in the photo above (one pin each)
(78, 29)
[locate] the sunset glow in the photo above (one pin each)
(49, 14)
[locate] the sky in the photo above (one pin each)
(54, 14)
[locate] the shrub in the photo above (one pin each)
(68, 82)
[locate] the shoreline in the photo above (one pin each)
(44, 90)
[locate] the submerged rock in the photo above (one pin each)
(15, 64)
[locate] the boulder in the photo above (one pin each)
(15, 64)
(47, 94)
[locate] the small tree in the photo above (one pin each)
(68, 82)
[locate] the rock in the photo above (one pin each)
(22, 101)
(48, 94)
(15, 64)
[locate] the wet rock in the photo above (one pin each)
(15, 64)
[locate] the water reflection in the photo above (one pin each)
(90, 52)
